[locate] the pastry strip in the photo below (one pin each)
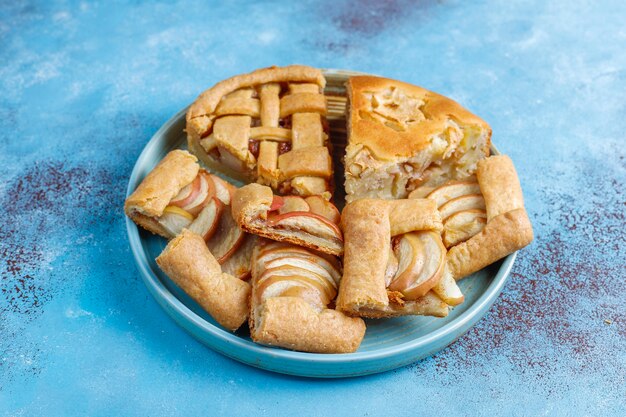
(188, 262)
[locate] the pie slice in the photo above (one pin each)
(293, 290)
(394, 260)
(267, 126)
(484, 218)
(188, 262)
(177, 194)
(312, 222)
(401, 136)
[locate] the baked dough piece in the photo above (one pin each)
(267, 126)
(292, 290)
(484, 217)
(188, 262)
(409, 279)
(312, 222)
(177, 194)
(401, 136)
(148, 202)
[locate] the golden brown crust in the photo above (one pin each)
(368, 226)
(414, 214)
(366, 229)
(250, 206)
(157, 189)
(428, 305)
(387, 143)
(499, 185)
(502, 235)
(291, 323)
(188, 262)
(206, 102)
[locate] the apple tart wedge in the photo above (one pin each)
(312, 222)
(401, 136)
(293, 292)
(394, 260)
(484, 218)
(178, 194)
(189, 263)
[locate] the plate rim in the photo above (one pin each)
(218, 339)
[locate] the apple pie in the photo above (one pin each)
(312, 222)
(178, 194)
(267, 126)
(189, 263)
(484, 218)
(293, 290)
(394, 260)
(401, 136)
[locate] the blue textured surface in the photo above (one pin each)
(84, 85)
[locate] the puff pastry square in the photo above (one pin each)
(312, 222)
(188, 262)
(484, 218)
(401, 136)
(394, 260)
(293, 290)
(267, 126)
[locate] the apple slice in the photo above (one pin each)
(463, 225)
(310, 223)
(188, 193)
(307, 264)
(226, 239)
(275, 250)
(291, 251)
(208, 219)
(293, 203)
(269, 280)
(322, 207)
(239, 264)
(223, 190)
(463, 203)
(307, 294)
(324, 281)
(277, 203)
(452, 190)
(434, 256)
(174, 219)
(409, 252)
(448, 290)
(392, 267)
(202, 198)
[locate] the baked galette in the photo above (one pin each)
(267, 126)
(293, 293)
(401, 136)
(178, 194)
(484, 218)
(394, 260)
(312, 222)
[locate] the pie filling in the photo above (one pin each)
(285, 270)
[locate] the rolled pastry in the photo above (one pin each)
(188, 262)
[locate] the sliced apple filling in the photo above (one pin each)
(285, 270)
(312, 222)
(461, 206)
(292, 302)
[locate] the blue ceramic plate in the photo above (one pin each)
(388, 344)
